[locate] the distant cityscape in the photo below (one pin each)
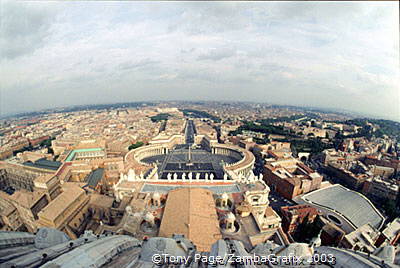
(113, 185)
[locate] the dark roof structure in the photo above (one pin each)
(94, 178)
(44, 163)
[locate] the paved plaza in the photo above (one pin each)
(184, 159)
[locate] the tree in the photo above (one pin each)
(301, 230)
(47, 142)
(160, 117)
(306, 230)
(390, 209)
(136, 145)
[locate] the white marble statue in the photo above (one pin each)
(131, 175)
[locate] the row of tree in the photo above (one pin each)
(136, 145)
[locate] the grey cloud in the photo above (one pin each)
(304, 53)
(188, 51)
(210, 17)
(129, 65)
(272, 67)
(314, 11)
(214, 76)
(216, 54)
(24, 27)
(217, 17)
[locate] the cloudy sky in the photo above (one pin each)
(320, 54)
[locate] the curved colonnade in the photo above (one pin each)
(242, 167)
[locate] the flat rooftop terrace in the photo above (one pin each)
(71, 155)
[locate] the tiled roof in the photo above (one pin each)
(191, 212)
